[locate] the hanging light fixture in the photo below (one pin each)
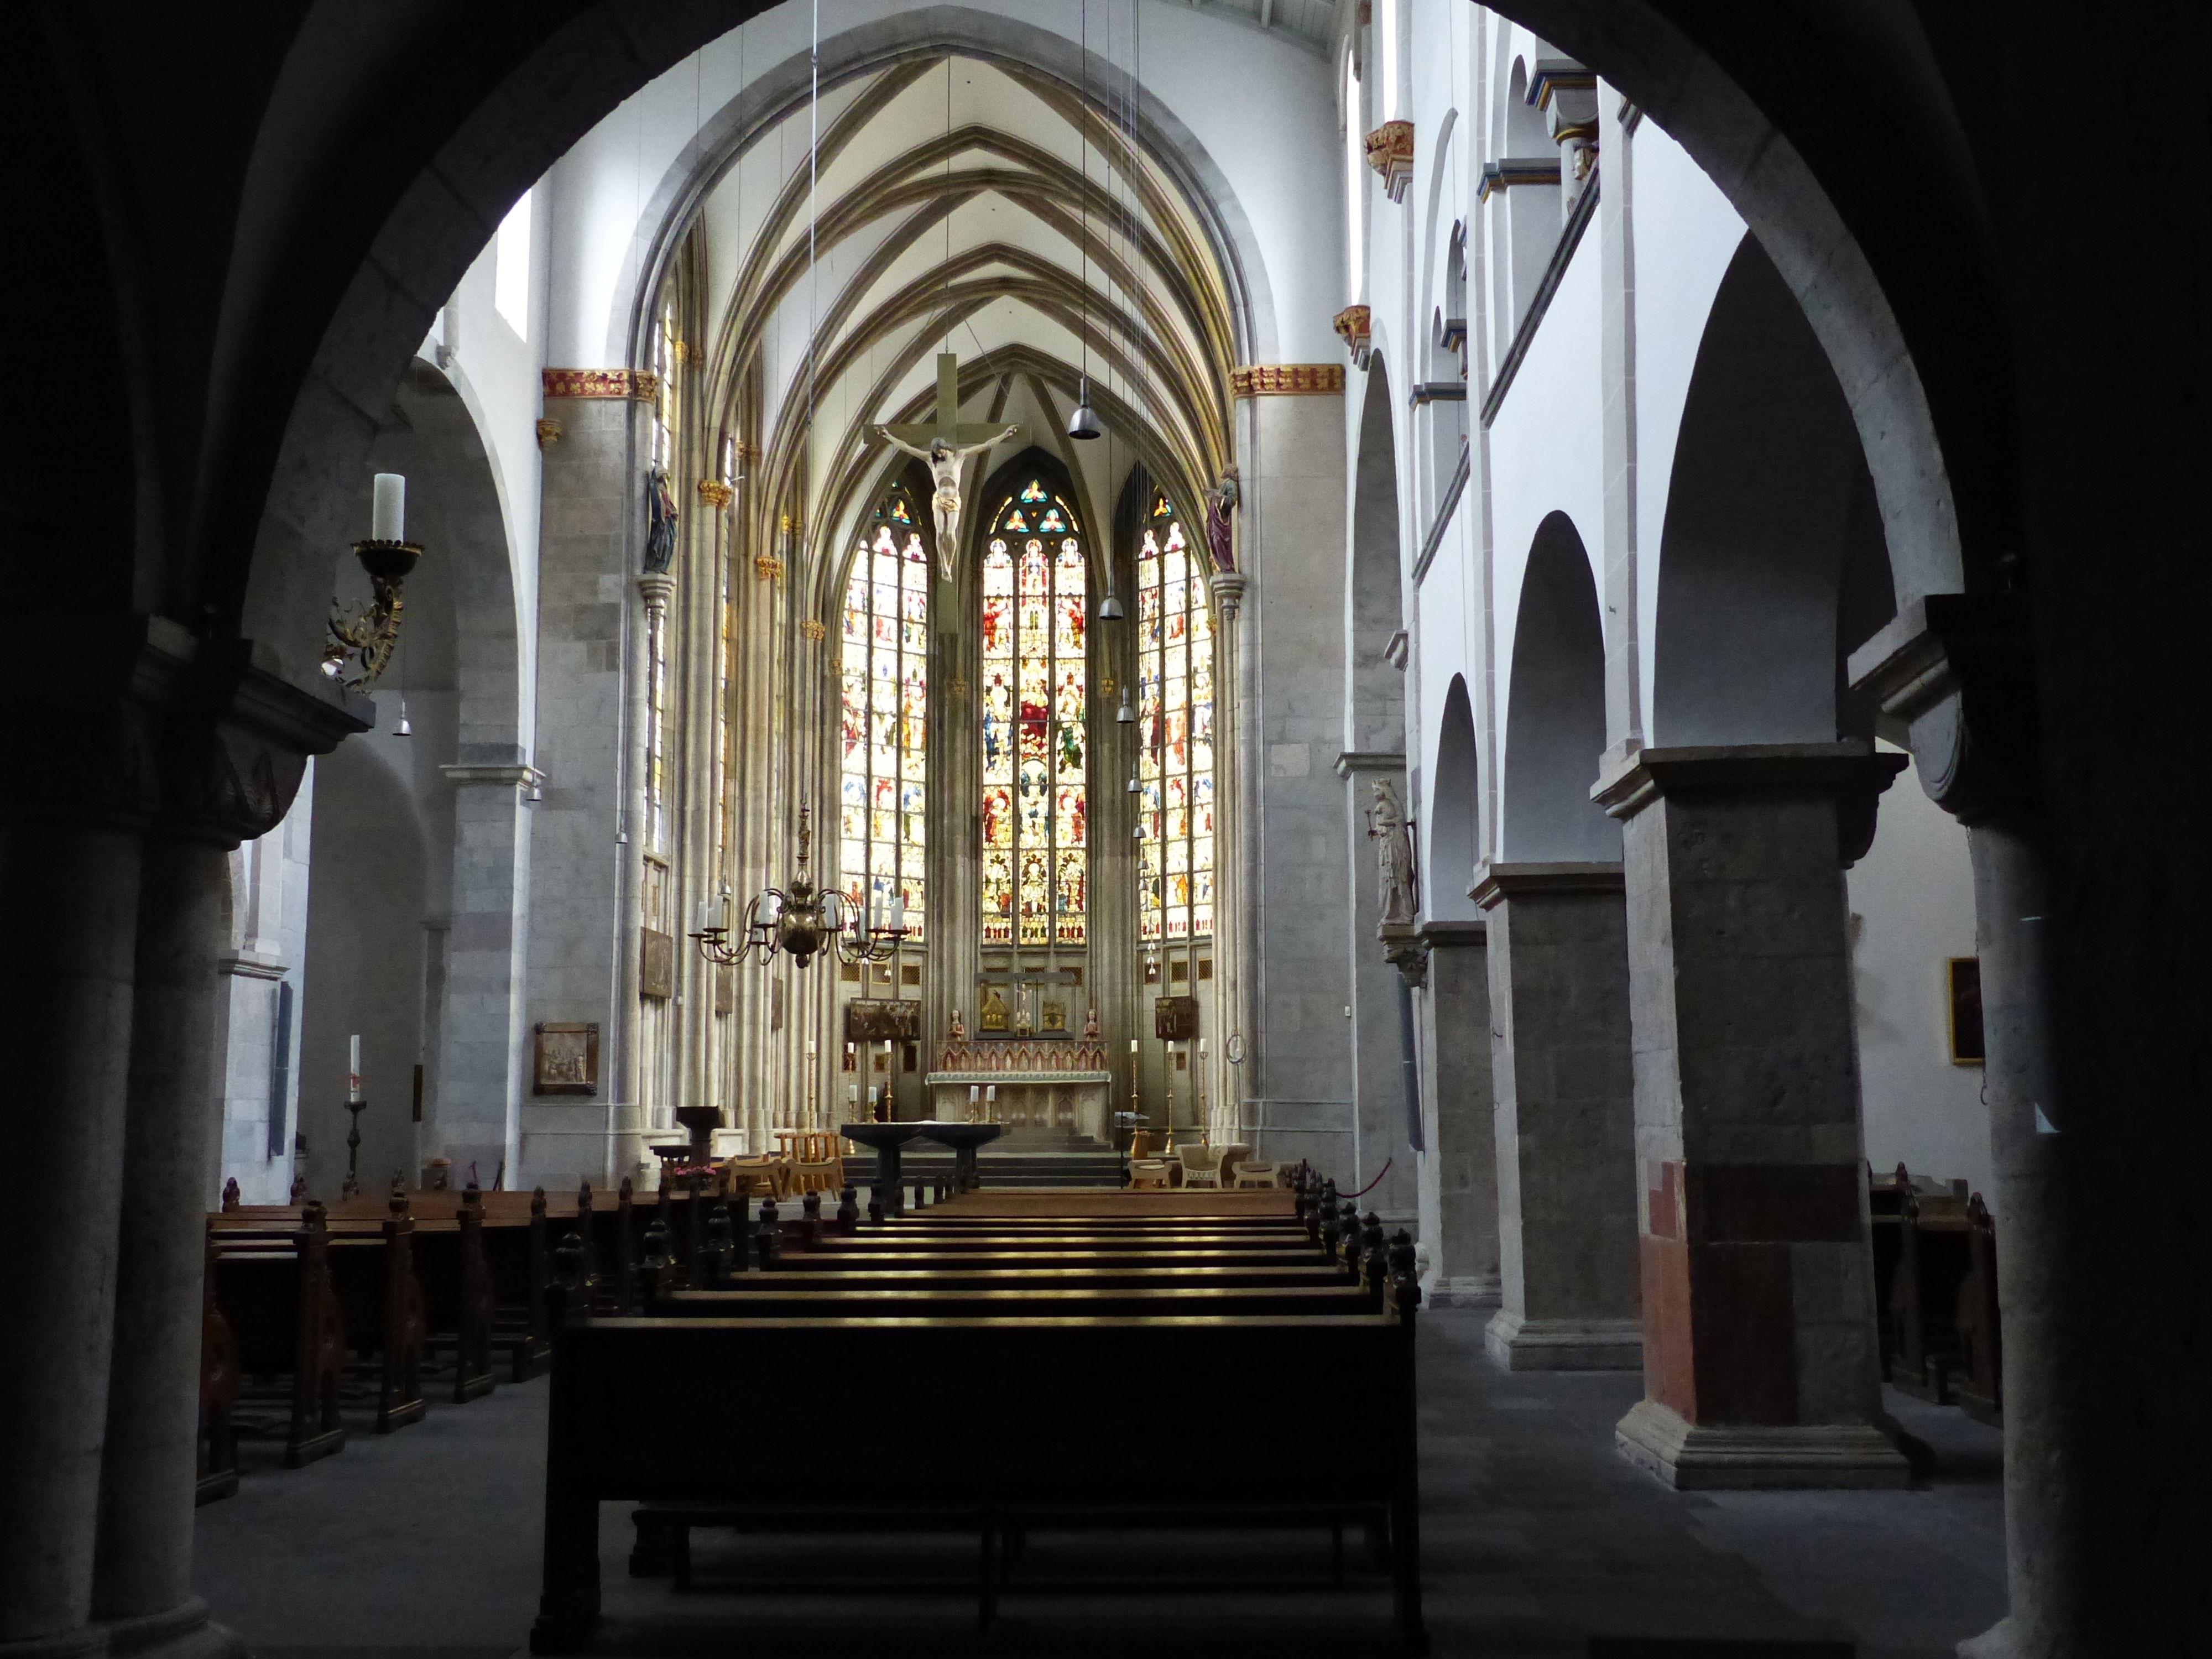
(1083, 423)
(403, 729)
(1126, 713)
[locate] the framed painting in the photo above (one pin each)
(567, 1060)
(1962, 988)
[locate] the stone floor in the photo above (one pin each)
(1539, 1542)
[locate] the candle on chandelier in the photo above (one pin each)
(388, 509)
(898, 913)
(353, 1069)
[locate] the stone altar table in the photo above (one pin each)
(1042, 1100)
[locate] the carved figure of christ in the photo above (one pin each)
(943, 445)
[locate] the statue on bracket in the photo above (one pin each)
(1220, 501)
(1394, 855)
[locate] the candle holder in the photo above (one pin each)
(371, 636)
(352, 1187)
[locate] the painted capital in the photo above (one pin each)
(1286, 379)
(640, 384)
(1390, 153)
(1354, 326)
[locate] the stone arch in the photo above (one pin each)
(1760, 515)
(1374, 692)
(1555, 709)
(1896, 296)
(1455, 810)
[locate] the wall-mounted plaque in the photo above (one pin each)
(876, 1019)
(1174, 1020)
(567, 1060)
(656, 963)
(1963, 984)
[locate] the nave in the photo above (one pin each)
(1536, 1536)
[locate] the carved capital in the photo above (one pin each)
(1229, 592)
(1390, 153)
(1851, 771)
(715, 492)
(641, 385)
(130, 721)
(1286, 379)
(1957, 671)
(1354, 326)
(1405, 949)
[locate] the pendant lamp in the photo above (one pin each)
(1083, 423)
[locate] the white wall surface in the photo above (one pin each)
(1913, 906)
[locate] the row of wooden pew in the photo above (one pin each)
(829, 1331)
(1936, 1288)
(309, 1306)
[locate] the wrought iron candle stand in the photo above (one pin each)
(352, 1187)
(372, 636)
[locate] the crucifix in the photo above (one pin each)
(945, 446)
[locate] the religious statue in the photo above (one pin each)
(1394, 855)
(660, 523)
(945, 460)
(1091, 1027)
(959, 1029)
(1220, 501)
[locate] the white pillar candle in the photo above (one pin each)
(991, 1094)
(388, 514)
(974, 1094)
(898, 913)
(353, 1068)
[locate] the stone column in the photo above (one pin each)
(68, 898)
(1563, 1080)
(1959, 670)
(1296, 908)
(144, 1588)
(1381, 1145)
(232, 751)
(577, 858)
(1760, 1360)
(1459, 1172)
(477, 1117)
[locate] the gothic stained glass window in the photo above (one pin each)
(883, 738)
(1175, 733)
(1036, 738)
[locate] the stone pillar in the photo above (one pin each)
(232, 751)
(144, 1586)
(1382, 1142)
(1458, 1171)
(477, 1117)
(1296, 903)
(1562, 1078)
(577, 856)
(68, 899)
(1959, 672)
(1760, 1360)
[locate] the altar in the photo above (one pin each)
(1074, 1100)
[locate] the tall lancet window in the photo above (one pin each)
(1037, 876)
(886, 785)
(1174, 732)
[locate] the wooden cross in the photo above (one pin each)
(947, 423)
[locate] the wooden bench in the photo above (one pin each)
(631, 1396)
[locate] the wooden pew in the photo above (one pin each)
(286, 1320)
(1932, 1263)
(1978, 1388)
(629, 1396)
(220, 1383)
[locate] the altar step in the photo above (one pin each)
(1096, 1166)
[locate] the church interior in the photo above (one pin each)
(1244, 825)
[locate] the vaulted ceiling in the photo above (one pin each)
(981, 207)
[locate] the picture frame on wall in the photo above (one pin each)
(566, 1059)
(1962, 986)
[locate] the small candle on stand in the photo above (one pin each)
(353, 1070)
(810, 1047)
(387, 515)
